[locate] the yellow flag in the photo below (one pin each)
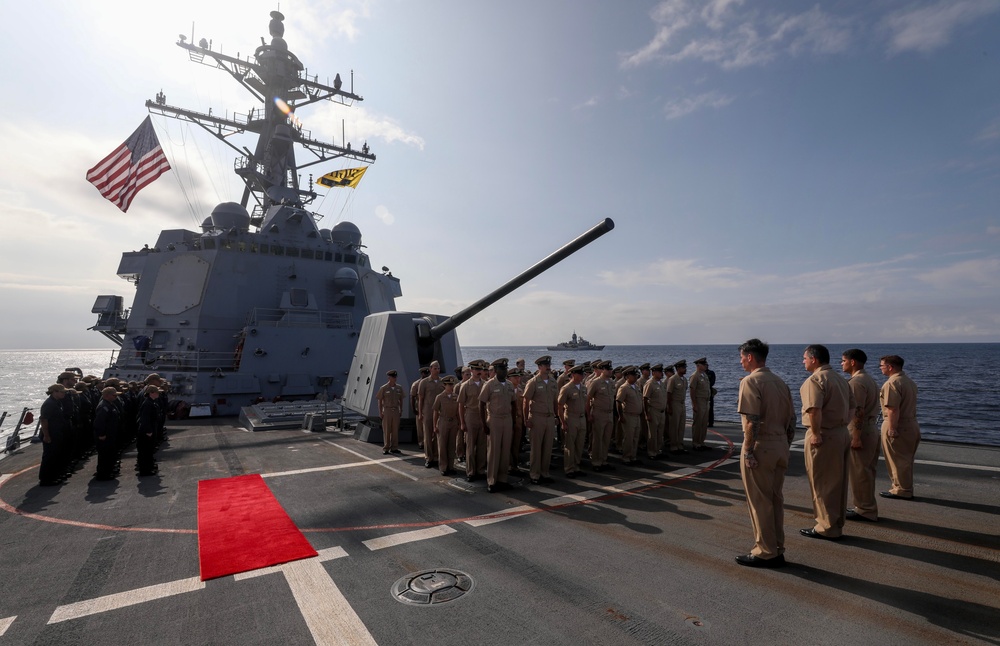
(346, 178)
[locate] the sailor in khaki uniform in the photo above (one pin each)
(701, 394)
(676, 413)
(573, 410)
(765, 407)
(390, 409)
(640, 383)
(496, 407)
(629, 401)
(428, 391)
(900, 431)
(654, 397)
(515, 376)
(415, 405)
(539, 409)
(863, 457)
(460, 441)
(472, 423)
(446, 425)
(827, 407)
(601, 397)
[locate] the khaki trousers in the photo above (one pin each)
(826, 467)
(699, 424)
(675, 427)
(899, 453)
(600, 439)
(475, 444)
(765, 499)
(576, 433)
(447, 430)
(630, 435)
(543, 430)
(498, 449)
(430, 437)
(390, 429)
(863, 465)
(658, 419)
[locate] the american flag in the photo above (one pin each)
(130, 167)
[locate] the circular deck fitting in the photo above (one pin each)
(432, 587)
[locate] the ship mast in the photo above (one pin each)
(275, 78)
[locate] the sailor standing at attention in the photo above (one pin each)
(701, 394)
(446, 425)
(827, 408)
(765, 407)
(540, 412)
(515, 377)
(601, 397)
(107, 422)
(573, 409)
(415, 405)
(496, 408)
(428, 391)
(390, 409)
(863, 457)
(472, 424)
(654, 399)
(54, 424)
(629, 401)
(676, 413)
(900, 432)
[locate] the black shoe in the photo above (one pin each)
(428, 465)
(492, 488)
(396, 451)
(385, 452)
(608, 467)
(852, 514)
(597, 468)
(546, 480)
(812, 533)
(470, 478)
(535, 481)
(750, 560)
(573, 474)
(889, 494)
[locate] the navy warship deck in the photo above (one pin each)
(640, 555)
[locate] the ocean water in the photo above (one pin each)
(959, 383)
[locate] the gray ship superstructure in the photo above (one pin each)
(261, 303)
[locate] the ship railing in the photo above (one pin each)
(155, 360)
(271, 317)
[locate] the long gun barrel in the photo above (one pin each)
(552, 259)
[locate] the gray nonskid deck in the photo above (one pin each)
(639, 555)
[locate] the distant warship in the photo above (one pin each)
(259, 304)
(575, 343)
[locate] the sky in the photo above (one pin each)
(802, 173)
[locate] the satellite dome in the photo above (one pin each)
(206, 224)
(346, 233)
(230, 214)
(345, 279)
(325, 234)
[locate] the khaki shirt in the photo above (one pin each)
(498, 397)
(630, 399)
(866, 393)
(700, 387)
(541, 396)
(826, 390)
(655, 395)
(446, 406)
(468, 396)
(900, 392)
(390, 397)
(573, 400)
(601, 393)
(427, 392)
(764, 394)
(676, 390)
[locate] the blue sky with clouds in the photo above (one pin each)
(822, 172)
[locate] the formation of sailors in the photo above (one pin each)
(84, 416)
(484, 415)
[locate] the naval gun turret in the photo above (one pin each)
(405, 341)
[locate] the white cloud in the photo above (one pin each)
(721, 34)
(683, 107)
(685, 274)
(362, 126)
(978, 273)
(932, 27)
(382, 213)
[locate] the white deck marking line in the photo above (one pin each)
(329, 554)
(125, 599)
(4, 477)
(408, 537)
(628, 486)
(974, 467)
(679, 473)
(329, 616)
(574, 497)
(5, 624)
(513, 512)
(331, 467)
(378, 462)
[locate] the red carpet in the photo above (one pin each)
(242, 527)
